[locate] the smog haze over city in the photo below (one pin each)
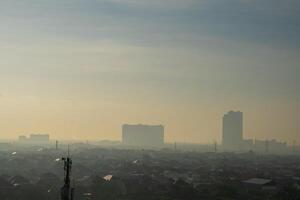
(149, 99)
(80, 69)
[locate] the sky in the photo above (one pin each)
(80, 69)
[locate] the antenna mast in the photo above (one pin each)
(67, 192)
(215, 146)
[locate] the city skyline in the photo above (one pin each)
(81, 69)
(232, 135)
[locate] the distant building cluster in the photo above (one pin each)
(264, 145)
(232, 137)
(143, 135)
(35, 138)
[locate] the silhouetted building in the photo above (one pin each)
(232, 130)
(270, 146)
(39, 137)
(23, 138)
(35, 138)
(143, 135)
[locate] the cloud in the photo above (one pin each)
(161, 4)
(277, 6)
(155, 22)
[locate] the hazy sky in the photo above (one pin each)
(79, 69)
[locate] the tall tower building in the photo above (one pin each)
(232, 130)
(143, 135)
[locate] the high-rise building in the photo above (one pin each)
(39, 137)
(35, 138)
(143, 135)
(232, 130)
